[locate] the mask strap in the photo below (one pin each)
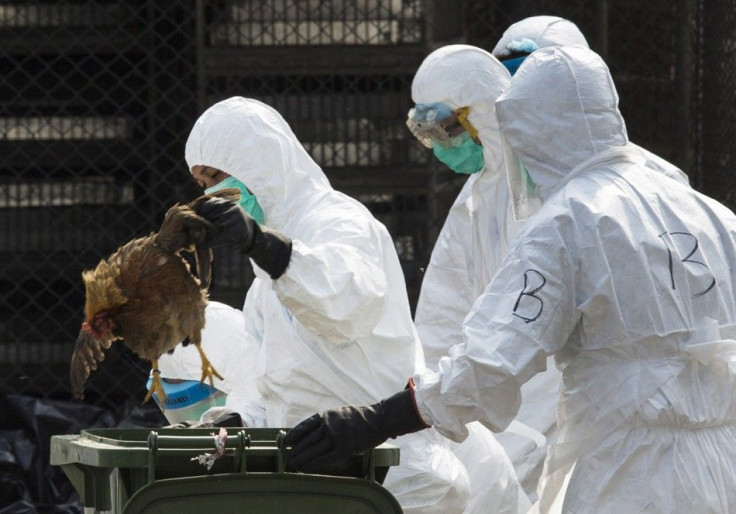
(462, 118)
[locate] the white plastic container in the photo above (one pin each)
(187, 400)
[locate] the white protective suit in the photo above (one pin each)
(538, 410)
(469, 249)
(625, 276)
(335, 328)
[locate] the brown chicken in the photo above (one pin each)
(146, 295)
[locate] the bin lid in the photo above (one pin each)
(274, 493)
(129, 449)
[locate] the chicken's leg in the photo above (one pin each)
(207, 370)
(156, 386)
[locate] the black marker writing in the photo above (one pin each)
(686, 259)
(524, 295)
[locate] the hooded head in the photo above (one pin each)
(529, 34)
(252, 142)
(465, 76)
(560, 110)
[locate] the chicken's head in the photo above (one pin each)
(101, 326)
(103, 300)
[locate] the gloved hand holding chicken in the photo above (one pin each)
(232, 226)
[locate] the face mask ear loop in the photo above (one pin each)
(462, 118)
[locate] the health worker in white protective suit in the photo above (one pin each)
(454, 91)
(328, 309)
(538, 409)
(623, 274)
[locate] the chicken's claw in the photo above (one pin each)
(208, 371)
(156, 387)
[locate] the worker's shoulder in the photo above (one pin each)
(340, 213)
(597, 189)
(338, 206)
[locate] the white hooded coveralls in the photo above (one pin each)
(473, 242)
(335, 328)
(479, 227)
(469, 250)
(625, 276)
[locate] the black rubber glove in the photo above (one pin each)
(269, 249)
(337, 434)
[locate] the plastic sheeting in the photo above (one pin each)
(28, 484)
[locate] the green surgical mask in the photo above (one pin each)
(464, 156)
(247, 201)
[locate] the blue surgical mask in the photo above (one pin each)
(464, 156)
(248, 201)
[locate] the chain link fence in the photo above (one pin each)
(98, 98)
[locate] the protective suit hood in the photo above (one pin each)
(463, 75)
(539, 32)
(269, 159)
(560, 110)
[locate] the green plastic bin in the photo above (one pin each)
(137, 471)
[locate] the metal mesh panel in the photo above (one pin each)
(90, 130)
(717, 116)
(316, 22)
(98, 97)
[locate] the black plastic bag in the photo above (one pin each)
(28, 484)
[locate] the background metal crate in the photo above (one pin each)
(316, 22)
(97, 98)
